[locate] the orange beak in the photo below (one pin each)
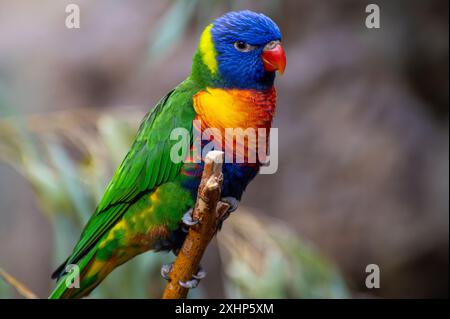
(274, 58)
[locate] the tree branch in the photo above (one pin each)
(20, 288)
(207, 211)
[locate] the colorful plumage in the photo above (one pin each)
(231, 86)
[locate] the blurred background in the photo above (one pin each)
(363, 120)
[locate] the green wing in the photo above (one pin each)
(146, 166)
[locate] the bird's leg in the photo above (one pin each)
(193, 283)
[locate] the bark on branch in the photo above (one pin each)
(207, 211)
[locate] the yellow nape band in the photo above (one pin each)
(207, 50)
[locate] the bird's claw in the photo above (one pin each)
(165, 271)
(188, 220)
(233, 202)
(201, 273)
(193, 283)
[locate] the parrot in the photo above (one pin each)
(148, 203)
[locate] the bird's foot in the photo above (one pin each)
(193, 283)
(165, 271)
(188, 220)
(233, 203)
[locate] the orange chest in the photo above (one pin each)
(236, 121)
(220, 108)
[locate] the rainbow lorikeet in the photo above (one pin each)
(149, 198)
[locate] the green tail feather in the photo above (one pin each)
(61, 290)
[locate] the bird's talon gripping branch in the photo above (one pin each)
(233, 202)
(165, 271)
(201, 273)
(188, 220)
(191, 284)
(167, 268)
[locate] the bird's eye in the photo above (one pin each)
(243, 47)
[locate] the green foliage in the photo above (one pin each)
(263, 258)
(5, 290)
(68, 170)
(170, 29)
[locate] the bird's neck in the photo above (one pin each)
(208, 76)
(201, 73)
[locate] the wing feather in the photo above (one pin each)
(146, 166)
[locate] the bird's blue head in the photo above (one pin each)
(240, 50)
